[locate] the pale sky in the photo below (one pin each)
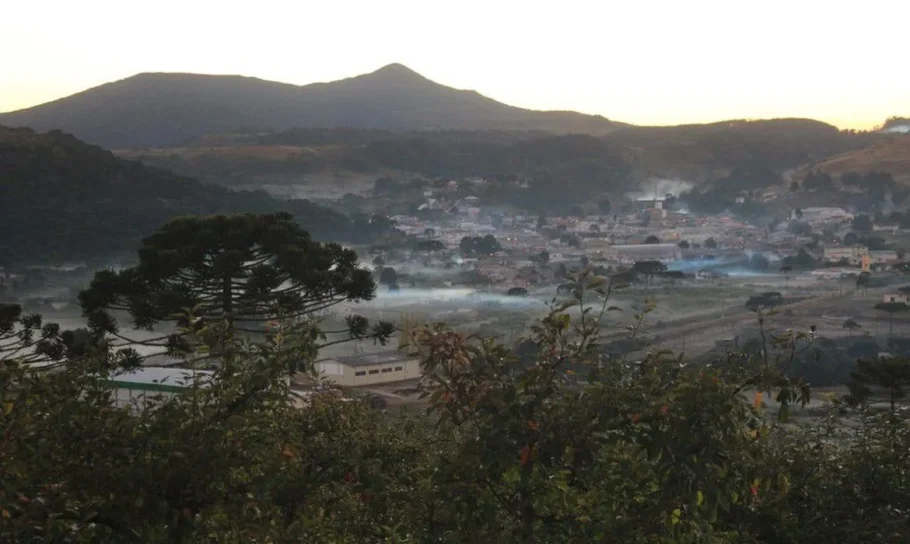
(643, 62)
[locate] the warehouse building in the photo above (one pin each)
(370, 369)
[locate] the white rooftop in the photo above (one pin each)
(161, 376)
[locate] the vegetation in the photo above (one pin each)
(65, 200)
(577, 446)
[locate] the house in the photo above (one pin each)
(147, 386)
(896, 297)
(644, 252)
(818, 215)
(370, 369)
(851, 254)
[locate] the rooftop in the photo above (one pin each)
(369, 359)
(159, 378)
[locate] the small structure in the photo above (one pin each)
(370, 369)
(896, 298)
(147, 386)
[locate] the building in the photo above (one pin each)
(147, 386)
(896, 297)
(821, 215)
(370, 369)
(885, 257)
(851, 254)
(644, 252)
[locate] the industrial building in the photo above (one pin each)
(370, 369)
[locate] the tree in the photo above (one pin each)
(794, 187)
(851, 325)
(578, 211)
(388, 276)
(684, 244)
(862, 281)
(798, 213)
(649, 269)
(890, 374)
(799, 228)
(543, 257)
(851, 239)
(711, 243)
(477, 245)
(541, 221)
(862, 223)
(517, 292)
(378, 261)
(891, 308)
(237, 272)
(758, 261)
(594, 227)
(652, 240)
(429, 245)
(604, 206)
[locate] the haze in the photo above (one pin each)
(642, 62)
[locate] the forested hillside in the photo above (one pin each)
(62, 199)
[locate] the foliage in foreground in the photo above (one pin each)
(647, 451)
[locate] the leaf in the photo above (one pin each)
(674, 519)
(757, 401)
(699, 498)
(533, 425)
(783, 483)
(7, 408)
(525, 455)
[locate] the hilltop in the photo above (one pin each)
(162, 109)
(63, 199)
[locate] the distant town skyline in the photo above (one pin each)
(646, 63)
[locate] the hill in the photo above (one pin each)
(891, 155)
(713, 150)
(161, 109)
(62, 199)
(700, 154)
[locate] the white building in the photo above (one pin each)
(370, 369)
(147, 386)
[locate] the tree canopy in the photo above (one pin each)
(242, 271)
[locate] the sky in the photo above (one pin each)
(643, 62)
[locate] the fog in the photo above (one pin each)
(428, 299)
(658, 188)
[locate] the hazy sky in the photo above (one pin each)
(645, 62)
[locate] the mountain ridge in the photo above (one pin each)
(155, 109)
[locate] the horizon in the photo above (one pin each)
(705, 66)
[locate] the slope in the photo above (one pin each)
(62, 199)
(891, 155)
(160, 109)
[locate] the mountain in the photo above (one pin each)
(64, 200)
(162, 109)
